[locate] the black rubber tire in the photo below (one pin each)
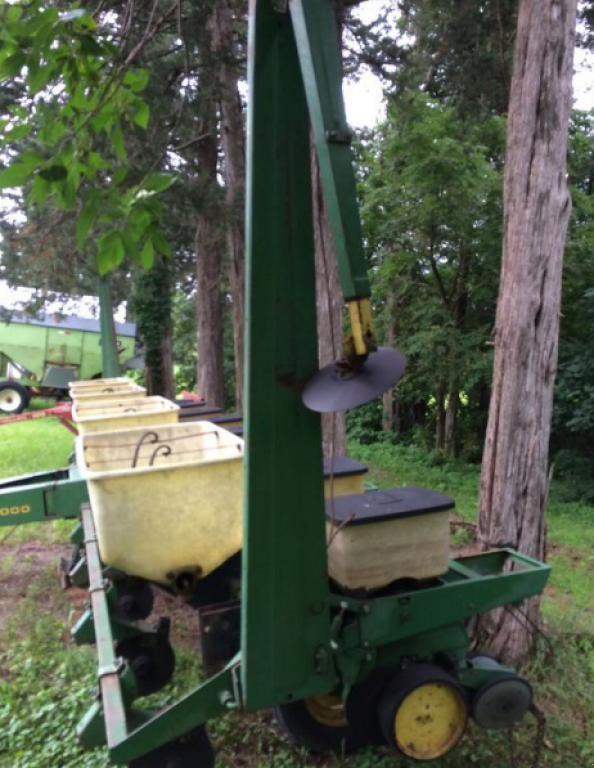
(303, 729)
(20, 399)
(193, 750)
(513, 704)
(403, 684)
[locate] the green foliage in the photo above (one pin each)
(184, 342)
(395, 465)
(40, 702)
(573, 415)
(575, 468)
(151, 304)
(25, 447)
(72, 98)
(432, 219)
(462, 52)
(364, 424)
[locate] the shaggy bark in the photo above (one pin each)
(329, 297)
(514, 480)
(330, 309)
(232, 142)
(208, 247)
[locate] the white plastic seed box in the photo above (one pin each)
(379, 537)
(124, 414)
(108, 394)
(166, 501)
(87, 385)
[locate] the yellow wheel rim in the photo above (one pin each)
(430, 721)
(327, 710)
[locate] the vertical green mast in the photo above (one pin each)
(285, 612)
(109, 351)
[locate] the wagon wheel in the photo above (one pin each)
(193, 750)
(14, 398)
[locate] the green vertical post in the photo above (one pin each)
(285, 595)
(109, 350)
(320, 60)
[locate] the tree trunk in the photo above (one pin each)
(440, 416)
(329, 296)
(514, 480)
(151, 302)
(208, 247)
(167, 357)
(451, 418)
(458, 309)
(232, 141)
(388, 410)
(330, 308)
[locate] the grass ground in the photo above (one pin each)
(45, 681)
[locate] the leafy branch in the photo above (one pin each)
(72, 96)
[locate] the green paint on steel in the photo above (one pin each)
(129, 734)
(109, 350)
(320, 59)
(90, 730)
(285, 636)
(77, 534)
(208, 701)
(35, 502)
(482, 671)
(83, 632)
(452, 640)
(114, 712)
(393, 619)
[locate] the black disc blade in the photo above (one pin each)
(328, 392)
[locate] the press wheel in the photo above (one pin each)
(501, 703)
(193, 750)
(319, 724)
(151, 659)
(423, 713)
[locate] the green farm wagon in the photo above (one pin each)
(41, 355)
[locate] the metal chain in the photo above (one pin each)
(541, 725)
(512, 751)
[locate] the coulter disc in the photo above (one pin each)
(333, 389)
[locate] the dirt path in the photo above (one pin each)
(29, 572)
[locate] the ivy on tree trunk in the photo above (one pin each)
(152, 306)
